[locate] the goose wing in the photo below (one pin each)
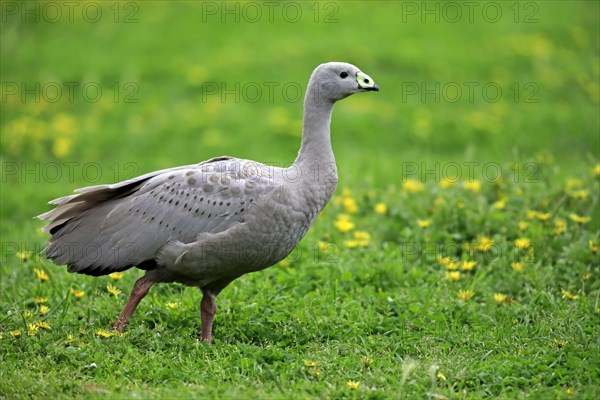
(110, 228)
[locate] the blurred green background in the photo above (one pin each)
(158, 64)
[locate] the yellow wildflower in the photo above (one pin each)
(543, 216)
(569, 391)
(41, 274)
(560, 227)
(77, 293)
(31, 329)
(44, 309)
(448, 263)
(517, 266)
(310, 364)
(104, 333)
(444, 260)
(325, 246)
(593, 246)
(70, 338)
(16, 333)
(413, 186)
(441, 376)
(423, 223)
(360, 235)
(62, 146)
(367, 362)
(466, 294)
(284, 263)
(523, 225)
(484, 243)
(381, 208)
(560, 343)
(472, 186)
(43, 325)
(587, 275)
(568, 295)
(315, 372)
(468, 265)
(500, 204)
(355, 243)
(596, 170)
(579, 219)
(350, 205)
(445, 183)
(173, 305)
(344, 225)
(522, 243)
(453, 276)
(530, 214)
(581, 194)
(116, 276)
(351, 243)
(344, 217)
(353, 384)
(499, 297)
(451, 266)
(113, 290)
(40, 300)
(23, 255)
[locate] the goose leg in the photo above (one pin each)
(140, 289)
(208, 308)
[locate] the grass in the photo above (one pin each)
(373, 312)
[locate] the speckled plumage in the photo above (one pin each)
(207, 224)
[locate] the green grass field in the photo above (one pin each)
(458, 258)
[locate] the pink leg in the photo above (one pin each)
(208, 308)
(140, 289)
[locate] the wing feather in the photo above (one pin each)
(107, 228)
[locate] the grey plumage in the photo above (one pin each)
(206, 224)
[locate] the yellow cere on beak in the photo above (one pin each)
(366, 82)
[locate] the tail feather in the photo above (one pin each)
(75, 226)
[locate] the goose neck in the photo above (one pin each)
(316, 139)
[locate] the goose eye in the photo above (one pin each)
(366, 81)
(343, 75)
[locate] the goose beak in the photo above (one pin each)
(373, 88)
(365, 82)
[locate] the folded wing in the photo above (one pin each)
(110, 228)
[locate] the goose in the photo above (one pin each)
(206, 224)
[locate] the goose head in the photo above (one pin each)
(335, 81)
